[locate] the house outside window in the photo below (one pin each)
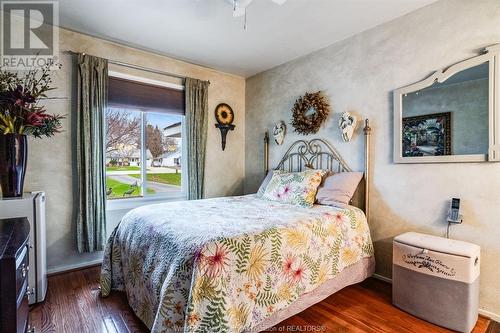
(144, 125)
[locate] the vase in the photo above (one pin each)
(13, 158)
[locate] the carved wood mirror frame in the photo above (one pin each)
(491, 55)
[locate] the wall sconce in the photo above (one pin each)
(225, 116)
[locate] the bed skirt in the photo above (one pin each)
(353, 274)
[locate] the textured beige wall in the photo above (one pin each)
(358, 75)
(50, 160)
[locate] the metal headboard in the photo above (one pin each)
(316, 154)
(319, 154)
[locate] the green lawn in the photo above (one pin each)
(123, 168)
(120, 188)
(164, 178)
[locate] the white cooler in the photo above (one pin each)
(436, 279)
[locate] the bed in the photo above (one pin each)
(238, 264)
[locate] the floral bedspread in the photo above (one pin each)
(225, 264)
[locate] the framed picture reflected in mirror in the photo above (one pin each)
(427, 135)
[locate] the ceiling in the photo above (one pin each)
(205, 32)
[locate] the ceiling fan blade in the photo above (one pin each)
(279, 2)
(239, 6)
(239, 11)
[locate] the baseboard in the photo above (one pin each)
(382, 278)
(74, 267)
(491, 315)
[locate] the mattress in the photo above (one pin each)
(230, 264)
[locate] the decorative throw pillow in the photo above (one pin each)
(264, 184)
(297, 188)
(338, 189)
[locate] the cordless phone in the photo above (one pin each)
(454, 213)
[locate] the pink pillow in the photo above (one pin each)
(338, 188)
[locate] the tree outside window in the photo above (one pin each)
(134, 169)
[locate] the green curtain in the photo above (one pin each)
(196, 135)
(91, 106)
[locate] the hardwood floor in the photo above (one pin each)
(73, 305)
(494, 327)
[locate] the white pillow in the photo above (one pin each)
(265, 182)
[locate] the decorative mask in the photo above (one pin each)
(279, 131)
(347, 124)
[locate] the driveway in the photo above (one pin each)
(138, 172)
(157, 187)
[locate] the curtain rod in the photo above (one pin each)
(142, 68)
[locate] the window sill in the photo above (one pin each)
(128, 204)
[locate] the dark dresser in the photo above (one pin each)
(14, 308)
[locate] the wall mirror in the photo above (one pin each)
(451, 116)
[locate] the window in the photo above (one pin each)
(143, 140)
